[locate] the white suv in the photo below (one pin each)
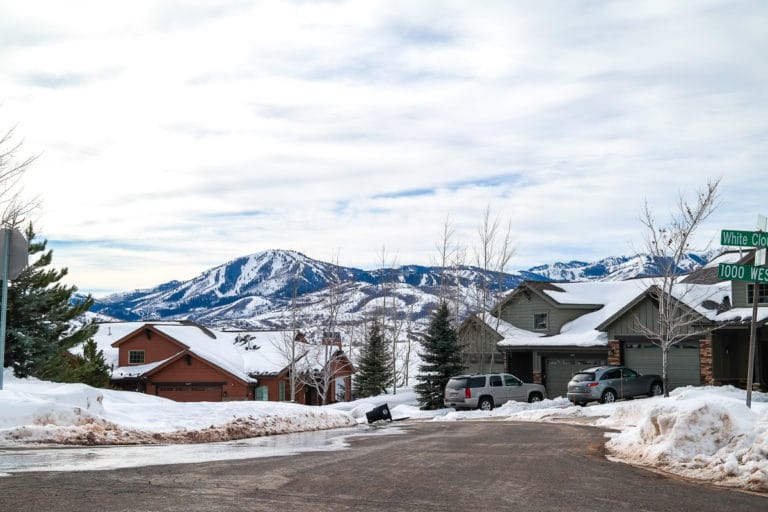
(489, 390)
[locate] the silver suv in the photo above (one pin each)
(489, 390)
(609, 383)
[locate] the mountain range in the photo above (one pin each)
(278, 289)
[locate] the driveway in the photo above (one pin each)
(433, 466)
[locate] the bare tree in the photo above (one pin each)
(493, 254)
(391, 318)
(450, 259)
(668, 245)
(14, 207)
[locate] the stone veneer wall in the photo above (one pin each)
(614, 353)
(705, 362)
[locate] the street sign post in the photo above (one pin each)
(14, 254)
(756, 273)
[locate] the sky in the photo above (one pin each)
(704, 433)
(174, 136)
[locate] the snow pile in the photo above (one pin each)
(702, 433)
(705, 433)
(32, 411)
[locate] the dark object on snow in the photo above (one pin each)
(379, 413)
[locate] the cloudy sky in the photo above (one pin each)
(174, 136)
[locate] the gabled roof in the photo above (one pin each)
(552, 293)
(604, 297)
(244, 354)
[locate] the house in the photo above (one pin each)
(549, 331)
(185, 361)
(720, 314)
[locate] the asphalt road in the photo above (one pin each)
(466, 465)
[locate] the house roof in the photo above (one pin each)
(582, 331)
(245, 354)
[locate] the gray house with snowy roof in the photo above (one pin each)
(546, 332)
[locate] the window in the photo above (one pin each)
(496, 381)
(511, 380)
(281, 391)
(262, 393)
(135, 357)
(540, 321)
(762, 293)
(611, 374)
(626, 373)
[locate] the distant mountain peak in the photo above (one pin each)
(257, 291)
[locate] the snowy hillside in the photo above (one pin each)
(265, 290)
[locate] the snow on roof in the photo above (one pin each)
(697, 296)
(218, 351)
(242, 353)
(137, 370)
(263, 352)
(613, 295)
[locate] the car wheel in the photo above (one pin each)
(485, 404)
(609, 396)
(535, 397)
(656, 389)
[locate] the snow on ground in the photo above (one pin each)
(705, 433)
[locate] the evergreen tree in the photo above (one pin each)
(441, 359)
(91, 368)
(40, 314)
(374, 370)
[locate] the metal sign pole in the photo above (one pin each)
(4, 306)
(762, 223)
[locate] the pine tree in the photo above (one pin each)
(40, 314)
(441, 359)
(374, 370)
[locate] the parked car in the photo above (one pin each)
(607, 384)
(486, 391)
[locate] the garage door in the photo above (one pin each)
(559, 370)
(683, 362)
(193, 393)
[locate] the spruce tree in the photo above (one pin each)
(40, 314)
(441, 359)
(374, 370)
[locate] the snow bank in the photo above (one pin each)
(32, 411)
(703, 433)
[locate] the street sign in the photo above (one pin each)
(736, 272)
(744, 238)
(18, 251)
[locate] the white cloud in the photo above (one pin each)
(207, 131)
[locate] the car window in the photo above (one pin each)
(611, 374)
(511, 380)
(476, 382)
(628, 374)
(457, 384)
(583, 377)
(496, 381)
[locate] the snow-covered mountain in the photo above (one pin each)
(275, 288)
(617, 268)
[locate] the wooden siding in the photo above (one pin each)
(644, 313)
(520, 310)
(190, 370)
(156, 347)
(741, 299)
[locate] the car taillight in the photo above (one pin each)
(592, 384)
(467, 393)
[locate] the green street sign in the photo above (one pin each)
(744, 238)
(736, 272)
